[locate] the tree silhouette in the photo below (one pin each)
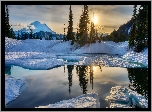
(7, 25)
(83, 80)
(70, 35)
(70, 68)
(91, 76)
(82, 33)
(92, 33)
(139, 80)
(138, 39)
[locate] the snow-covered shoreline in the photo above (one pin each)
(44, 54)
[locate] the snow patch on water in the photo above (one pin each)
(12, 88)
(90, 100)
(123, 97)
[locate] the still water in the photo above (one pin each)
(43, 87)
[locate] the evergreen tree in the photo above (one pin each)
(96, 34)
(23, 36)
(132, 31)
(80, 31)
(70, 35)
(18, 37)
(50, 37)
(31, 34)
(26, 36)
(139, 33)
(92, 33)
(86, 22)
(7, 26)
(83, 27)
(12, 34)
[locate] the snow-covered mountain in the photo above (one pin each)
(37, 27)
(41, 27)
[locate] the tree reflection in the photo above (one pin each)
(8, 70)
(70, 68)
(91, 75)
(83, 80)
(139, 80)
(83, 73)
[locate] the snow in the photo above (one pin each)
(141, 57)
(89, 100)
(123, 97)
(12, 88)
(45, 54)
(108, 47)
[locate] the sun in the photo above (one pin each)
(95, 19)
(94, 68)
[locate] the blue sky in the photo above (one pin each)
(109, 17)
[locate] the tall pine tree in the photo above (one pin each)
(83, 27)
(132, 31)
(139, 32)
(70, 35)
(7, 26)
(12, 34)
(92, 33)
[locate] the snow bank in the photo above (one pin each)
(33, 60)
(44, 54)
(64, 47)
(9, 43)
(29, 45)
(90, 100)
(12, 88)
(108, 47)
(123, 97)
(141, 57)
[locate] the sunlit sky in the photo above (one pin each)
(108, 17)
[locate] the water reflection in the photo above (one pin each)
(50, 86)
(8, 69)
(83, 79)
(138, 80)
(70, 68)
(83, 72)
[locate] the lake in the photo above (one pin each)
(43, 87)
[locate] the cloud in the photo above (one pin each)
(20, 24)
(55, 16)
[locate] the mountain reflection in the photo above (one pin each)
(138, 80)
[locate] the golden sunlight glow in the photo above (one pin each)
(94, 68)
(95, 19)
